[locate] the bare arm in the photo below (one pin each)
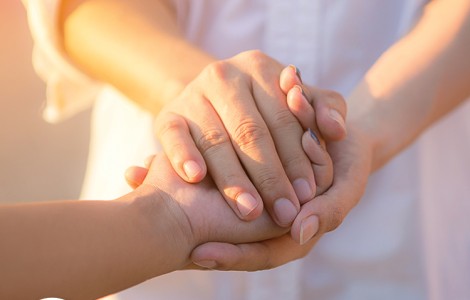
(133, 45)
(417, 81)
(84, 249)
(89, 249)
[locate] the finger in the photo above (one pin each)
(298, 104)
(349, 182)
(224, 166)
(250, 257)
(287, 133)
(135, 176)
(290, 76)
(321, 162)
(177, 142)
(330, 108)
(253, 144)
(148, 161)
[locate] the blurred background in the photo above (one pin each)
(39, 161)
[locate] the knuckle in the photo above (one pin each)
(254, 54)
(268, 181)
(168, 124)
(211, 140)
(249, 134)
(256, 58)
(283, 119)
(219, 70)
(296, 162)
(266, 262)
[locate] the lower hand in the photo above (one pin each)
(352, 160)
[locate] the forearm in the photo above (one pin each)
(86, 249)
(133, 45)
(416, 82)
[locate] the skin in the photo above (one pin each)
(234, 109)
(89, 249)
(430, 81)
(389, 109)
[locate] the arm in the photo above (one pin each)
(417, 81)
(85, 249)
(89, 249)
(133, 45)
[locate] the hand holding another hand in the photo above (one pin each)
(234, 118)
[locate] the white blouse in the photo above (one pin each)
(407, 239)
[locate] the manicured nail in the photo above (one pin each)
(308, 228)
(246, 203)
(285, 211)
(208, 264)
(302, 190)
(297, 72)
(314, 136)
(192, 169)
(335, 115)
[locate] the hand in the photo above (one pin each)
(199, 211)
(234, 117)
(352, 161)
(312, 142)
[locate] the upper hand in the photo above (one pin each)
(233, 118)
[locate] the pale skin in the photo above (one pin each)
(412, 85)
(226, 127)
(89, 249)
(431, 80)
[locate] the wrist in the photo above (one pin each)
(368, 116)
(164, 226)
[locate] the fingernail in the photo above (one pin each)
(208, 264)
(285, 211)
(191, 168)
(308, 228)
(246, 203)
(302, 190)
(297, 72)
(335, 115)
(314, 136)
(301, 90)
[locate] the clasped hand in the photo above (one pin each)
(252, 125)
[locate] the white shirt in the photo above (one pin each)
(407, 239)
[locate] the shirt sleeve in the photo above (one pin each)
(69, 90)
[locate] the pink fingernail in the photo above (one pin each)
(285, 211)
(191, 169)
(335, 115)
(302, 190)
(308, 228)
(246, 203)
(208, 264)
(297, 72)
